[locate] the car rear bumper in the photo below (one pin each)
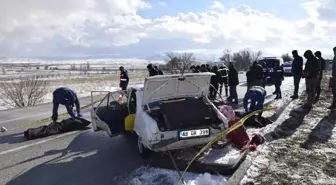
(175, 143)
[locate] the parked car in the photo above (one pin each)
(268, 64)
(170, 112)
(287, 66)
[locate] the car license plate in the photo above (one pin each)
(194, 133)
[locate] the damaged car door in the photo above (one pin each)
(109, 115)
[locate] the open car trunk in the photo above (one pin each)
(185, 113)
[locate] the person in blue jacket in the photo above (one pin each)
(256, 94)
(66, 97)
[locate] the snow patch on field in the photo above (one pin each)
(154, 176)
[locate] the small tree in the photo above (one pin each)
(286, 57)
(24, 91)
(179, 62)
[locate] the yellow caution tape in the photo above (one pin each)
(59, 116)
(224, 133)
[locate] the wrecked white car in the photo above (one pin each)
(170, 112)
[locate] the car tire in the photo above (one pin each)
(143, 151)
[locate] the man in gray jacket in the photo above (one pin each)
(311, 74)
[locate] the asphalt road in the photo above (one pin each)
(80, 157)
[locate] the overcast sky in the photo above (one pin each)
(139, 28)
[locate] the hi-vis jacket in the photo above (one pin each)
(224, 73)
(123, 79)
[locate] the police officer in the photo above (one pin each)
(333, 81)
(66, 97)
(318, 55)
(214, 82)
(256, 94)
(158, 70)
(278, 77)
(223, 71)
(123, 78)
(152, 71)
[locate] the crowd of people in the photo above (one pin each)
(227, 77)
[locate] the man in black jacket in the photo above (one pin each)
(233, 82)
(256, 72)
(311, 74)
(203, 69)
(214, 83)
(318, 55)
(297, 66)
(158, 70)
(152, 71)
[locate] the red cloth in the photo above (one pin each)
(239, 136)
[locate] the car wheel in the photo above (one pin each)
(144, 152)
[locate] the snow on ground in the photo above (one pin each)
(301, 147)
(154, 176)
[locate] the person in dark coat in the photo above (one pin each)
(224, 73)
(233, 82)
(333, 81)
(214, 83)
(249, 79)
(198, 69)
(318, 55)
(203, 69)
(297, 70)
(278, 77)
(257, 74)
(207, 67)
(256, 94)
(123, 78)
(152, 71)
(193, 69)
(158, 70)
(311, 74)
(68, 98)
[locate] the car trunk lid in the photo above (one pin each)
(164, 87)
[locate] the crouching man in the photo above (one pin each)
(257, 96)
(66, 97)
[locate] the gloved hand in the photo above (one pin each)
(79, 115)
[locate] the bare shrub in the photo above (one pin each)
(24, 91)
(179, 62)
(242, 59)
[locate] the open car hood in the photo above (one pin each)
(164, 87)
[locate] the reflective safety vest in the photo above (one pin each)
(224, 72)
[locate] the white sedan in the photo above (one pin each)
(170, 112)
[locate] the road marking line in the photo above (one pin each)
(9, 120)
(39, 142)
(35, 115)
